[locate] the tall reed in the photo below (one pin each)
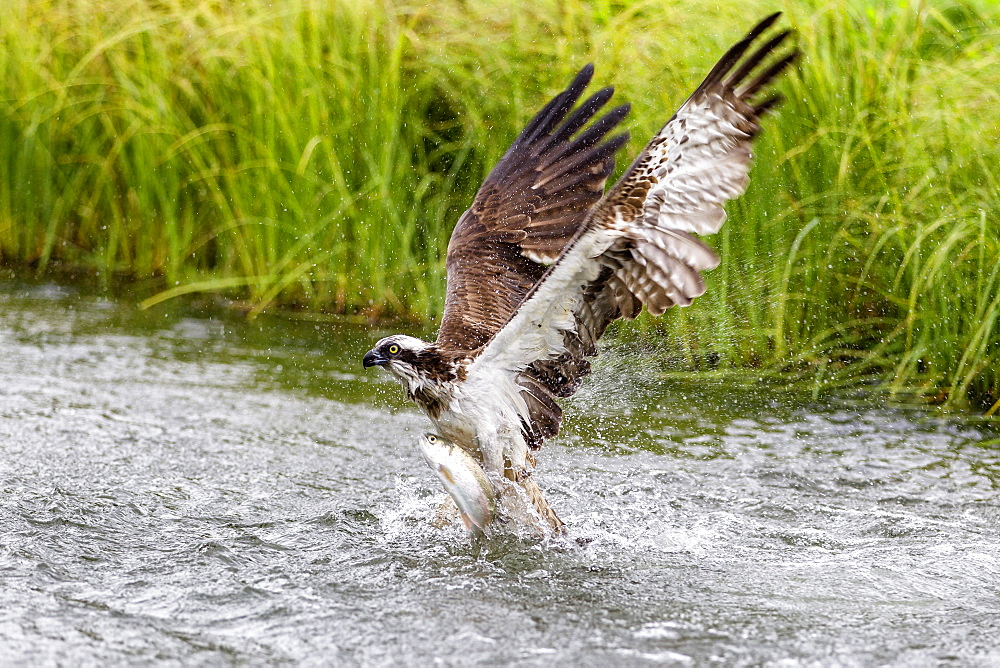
(315, 153)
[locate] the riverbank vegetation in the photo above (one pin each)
(314, 154)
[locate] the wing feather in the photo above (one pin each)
(532, 203)
(637, 246)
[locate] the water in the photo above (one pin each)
(187, 488)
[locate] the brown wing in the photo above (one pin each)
(675, 189)
(530, 205)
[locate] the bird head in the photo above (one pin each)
(399, 355)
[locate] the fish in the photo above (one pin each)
(464, 480)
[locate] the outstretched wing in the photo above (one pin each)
(637, 247)
(529, 207)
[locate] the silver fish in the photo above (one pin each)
(463, 478)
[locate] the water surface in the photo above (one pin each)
(183, 487)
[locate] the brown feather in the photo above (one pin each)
(544, 194)
(659, 266)
(531, 204)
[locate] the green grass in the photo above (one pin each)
(315, 153)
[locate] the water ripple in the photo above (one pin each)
(184, 489)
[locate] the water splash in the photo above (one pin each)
(167, 495)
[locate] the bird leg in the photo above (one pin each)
(522, 476)
(517, 474)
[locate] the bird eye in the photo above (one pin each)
(432, 438)
(393, 349)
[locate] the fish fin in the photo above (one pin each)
(443, 470)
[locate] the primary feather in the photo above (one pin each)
(530, 205)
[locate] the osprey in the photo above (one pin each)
(544, 261)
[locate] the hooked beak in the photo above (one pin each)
(372, 358)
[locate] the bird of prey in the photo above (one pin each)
(543, 261)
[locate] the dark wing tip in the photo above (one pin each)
(580, 81)
(580, 117)
(617, 142)
(555, 111)
(766, 23)
(768, 104)
(768, 75)
(738, 50)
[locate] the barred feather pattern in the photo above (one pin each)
(638, 245)
(679, 184)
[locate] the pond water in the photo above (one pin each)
(191, 488)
